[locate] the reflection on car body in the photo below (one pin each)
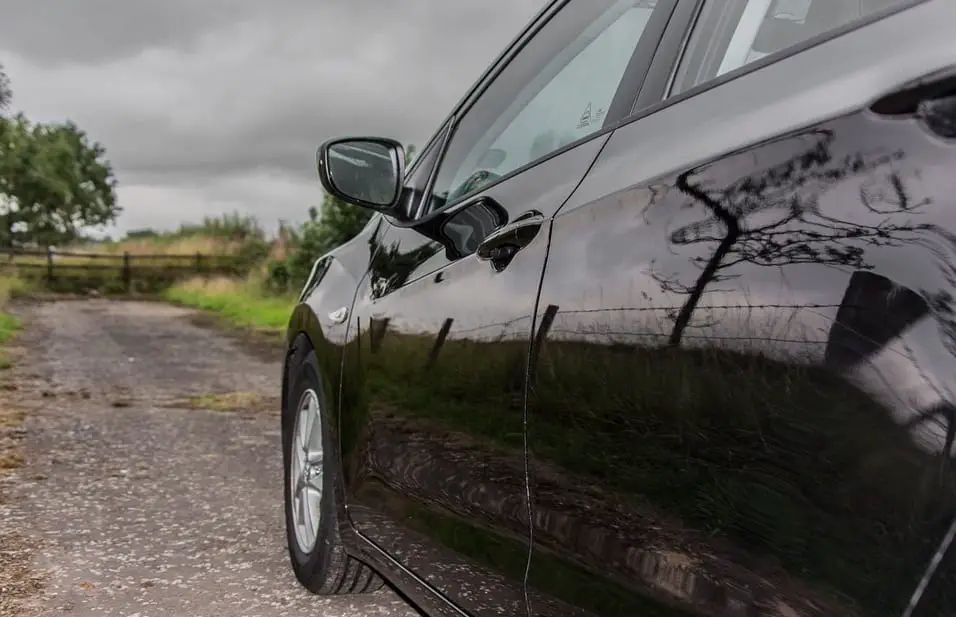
(697, 360)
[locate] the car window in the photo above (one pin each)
(558, 89)
(729, 34)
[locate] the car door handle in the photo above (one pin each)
(500, 246)
(930, 99)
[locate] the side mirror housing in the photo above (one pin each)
(365, 171)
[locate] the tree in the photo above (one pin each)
(6, 93)
(336, 223)
(54, 182)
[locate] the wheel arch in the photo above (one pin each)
(304, 329)
(304, 335)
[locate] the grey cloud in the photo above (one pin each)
(191, 94)
(89, 31)
(401, 84)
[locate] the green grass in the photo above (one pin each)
(8, 323)
(241, 303)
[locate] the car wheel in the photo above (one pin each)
(319, 560)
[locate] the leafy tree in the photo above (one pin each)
(54, 182)
(337, 223)
(6, 93)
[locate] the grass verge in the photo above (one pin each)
(241, 303)
(11, 457)
(8, 323)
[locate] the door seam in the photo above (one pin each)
(536, 342)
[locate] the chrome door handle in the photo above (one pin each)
(339, 315)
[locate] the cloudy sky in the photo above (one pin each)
(208, 106)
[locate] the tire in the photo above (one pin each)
(325, 567)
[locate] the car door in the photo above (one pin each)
(740, 400)
(434, 380)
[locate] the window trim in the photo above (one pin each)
(450, 122)
(690, 10)
(439, 141)
(672, 44)
(623, 102)
(501, 61)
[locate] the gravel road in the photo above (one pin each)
(134, 501)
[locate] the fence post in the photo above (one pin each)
(198, 263)
(127, 272)
(442, 335)
(49, 264)
(376, 332)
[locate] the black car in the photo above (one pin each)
(662, 321)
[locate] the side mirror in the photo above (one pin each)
(366, 171)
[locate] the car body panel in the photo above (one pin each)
(433, 405)
(741, 381)
(740, 353)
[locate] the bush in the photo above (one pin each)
(232, 226)
(338, 223)
(277, 276)
(251, 253)
(139, 234)
(239, 301)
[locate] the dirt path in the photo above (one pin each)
(133, 503)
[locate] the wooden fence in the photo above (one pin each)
(127, 268)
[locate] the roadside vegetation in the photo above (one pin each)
(57, 188)
(265, 296)
(244, 303)
(11, 456)
(257, 289)
(9, 324)
(274, 271)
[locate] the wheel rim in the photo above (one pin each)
(305, 480)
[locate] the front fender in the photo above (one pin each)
(319, 316)
(324, 306)
(311, 324)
